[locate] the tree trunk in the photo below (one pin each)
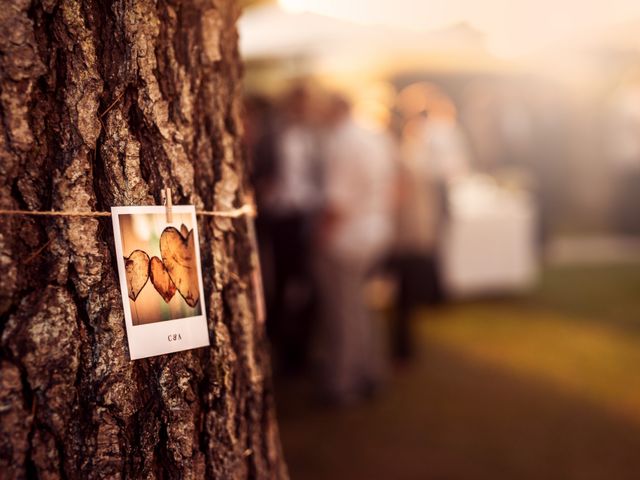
(105, 103)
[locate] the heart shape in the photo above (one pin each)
(161, 280)
(136, 267)
(179, 257)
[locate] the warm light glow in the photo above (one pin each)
(512, 27)
(293, 6)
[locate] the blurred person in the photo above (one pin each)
(480, 108)
(432, 131)
(622, 139)
(433, 154)
(289, 206)
(354, 232)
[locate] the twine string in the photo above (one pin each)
(246, 209)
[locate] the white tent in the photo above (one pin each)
(327, 44)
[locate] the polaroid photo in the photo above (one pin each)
(160, 279)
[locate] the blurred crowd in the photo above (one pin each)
(381, 202)
(346, 197)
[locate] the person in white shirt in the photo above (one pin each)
(355, 231)
(434, 152)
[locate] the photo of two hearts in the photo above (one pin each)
(175, 271)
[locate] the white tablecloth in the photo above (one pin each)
(489, 246)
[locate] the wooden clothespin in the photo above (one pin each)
(168, 204)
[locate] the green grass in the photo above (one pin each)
(604, 294)
(545, 386)
(580, 330)
(593, 361)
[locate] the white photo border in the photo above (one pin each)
(168, 336)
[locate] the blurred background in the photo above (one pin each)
(449, 233)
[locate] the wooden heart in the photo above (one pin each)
(136, 267)
(179, 257)
(161, 280)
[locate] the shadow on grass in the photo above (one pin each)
(452, 417)
(537, 387)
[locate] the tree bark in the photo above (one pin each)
(105, 103)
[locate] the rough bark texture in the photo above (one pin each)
(105, 103)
